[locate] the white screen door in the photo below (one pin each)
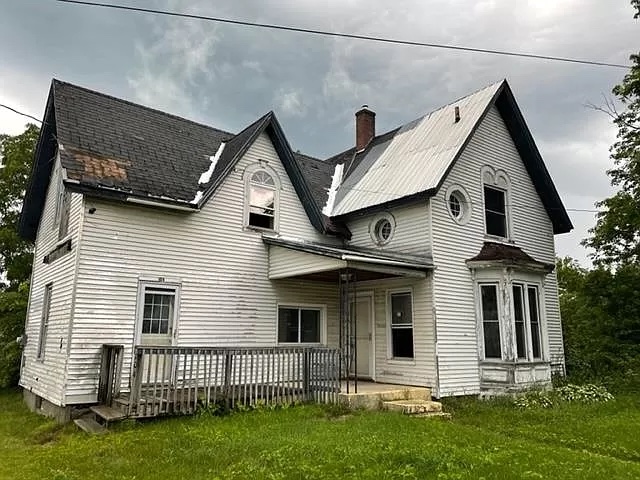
(364, 336)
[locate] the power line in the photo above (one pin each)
(20, 113)
(346, 35)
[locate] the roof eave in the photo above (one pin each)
(39, 177)
(538, 267)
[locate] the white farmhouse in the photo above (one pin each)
(423, 256)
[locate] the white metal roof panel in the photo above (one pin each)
(416, 158)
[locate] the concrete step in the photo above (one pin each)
(108, 414)
(371, 397)
(88, 424)
(413, 407)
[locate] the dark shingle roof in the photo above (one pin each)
(115, 148)
(115, 143)
(507, 255)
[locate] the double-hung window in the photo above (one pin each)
(490, 321)
(495, 212)
(262, 200)
(44, 321)
(299, 325)
(401, 325)
(526, 314)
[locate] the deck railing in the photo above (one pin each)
(179, 380)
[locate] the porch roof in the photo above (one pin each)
(289, 257)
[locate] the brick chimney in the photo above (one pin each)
(365, 127)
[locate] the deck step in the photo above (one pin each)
(413, 406)
(88, 424)
(108, 414)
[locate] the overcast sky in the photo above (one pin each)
(227, 76)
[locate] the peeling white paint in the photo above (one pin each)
(206, 176)
(336, 180)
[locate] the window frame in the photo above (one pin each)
(373, 230)
(505, 215)
(303, 306)
(497, 180)
(496, 286)
(261, 166)
(390, 326)
(160, 285)
(463, 198)
(528, 332)
(44, 321)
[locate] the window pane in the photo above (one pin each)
(287, 325)
(262, 197)
(535, 321)
(494, 200)
(310, 326)
(492, 340)
(518, 314)
(157, 313)
(402, 342)
(489, 302)
(490, 322)
(262, 221)
(496, 224)
(401, 309)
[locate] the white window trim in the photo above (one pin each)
(506, 280)
(304, 306)
(142, 287)
(527, 321)
(494, 283)
(466, 205)
(390, 358)
(248, 173)
(45, 315)
(372, 228)
(498, 180)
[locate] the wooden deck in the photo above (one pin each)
(182, 380)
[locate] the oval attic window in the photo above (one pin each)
(383, 230)
(455, 205)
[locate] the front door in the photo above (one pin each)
(364, 336)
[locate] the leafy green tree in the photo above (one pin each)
(601, 321)
(16, 154)
(15, 253)
(616, 235)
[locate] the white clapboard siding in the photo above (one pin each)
(453, 244)
(226, 297)
(410, 234)
(46, 377)
(420, 371)
(285, 262)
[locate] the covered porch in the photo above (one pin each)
(383, 301)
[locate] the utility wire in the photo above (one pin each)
(345, 35)
(20, 113)
(479, 204)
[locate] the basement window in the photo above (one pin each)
(401, 325)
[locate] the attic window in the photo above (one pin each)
(382, 229)
(262, 200)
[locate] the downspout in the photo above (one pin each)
(436, 356)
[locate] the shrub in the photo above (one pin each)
(568, 393)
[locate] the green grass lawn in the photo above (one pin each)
(484, 440)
